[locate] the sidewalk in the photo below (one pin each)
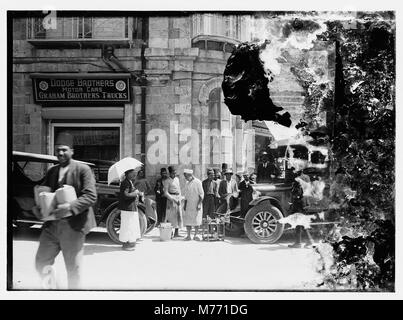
(233, 264)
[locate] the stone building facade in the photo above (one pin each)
(176, 117)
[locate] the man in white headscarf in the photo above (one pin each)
(193, 204)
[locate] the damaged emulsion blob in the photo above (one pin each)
(245, 86)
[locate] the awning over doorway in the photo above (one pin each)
(261, 129)
(82, 113)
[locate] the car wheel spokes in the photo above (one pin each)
(264, 223)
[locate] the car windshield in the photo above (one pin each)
(275, 165)
(29, 171)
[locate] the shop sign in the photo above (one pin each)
(76, 89)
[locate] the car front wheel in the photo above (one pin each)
(261, 224)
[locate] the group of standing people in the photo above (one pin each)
(201, 199)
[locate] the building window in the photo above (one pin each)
(214, 104)
(84, 28)
(96, 143)
(35, 29)
(217, 25)
(81, 28)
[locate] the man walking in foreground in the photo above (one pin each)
(193, 204)
(72, 220)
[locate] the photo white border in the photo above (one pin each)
(181, 5)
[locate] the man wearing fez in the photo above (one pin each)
(172, 191)
(194, 194)
(161, 200)
(72, 220)
(210, 189)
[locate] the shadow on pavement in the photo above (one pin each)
(99, 238)
(90, 249)
(277, 246)
(286, 238)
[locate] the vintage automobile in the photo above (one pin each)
(271, 202)
(259, 223)
(106, 212)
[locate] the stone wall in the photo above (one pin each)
(180, 79)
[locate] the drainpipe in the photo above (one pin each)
(140, 79)
(143, 84)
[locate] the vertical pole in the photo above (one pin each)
(144, 26)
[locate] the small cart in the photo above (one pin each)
(213, 229)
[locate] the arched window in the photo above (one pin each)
(214, 104)
(214, 116)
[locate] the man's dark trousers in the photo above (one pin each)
(56, 236)
(161, 208)
(209, 206)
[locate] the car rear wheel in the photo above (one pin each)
(261, 223)
(113, 224)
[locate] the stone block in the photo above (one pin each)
(167, 90)
(164, 109)
(179, 43)
(183, 90)
(18, 139)
(182, 75)
(20, 99)
(158, 52)
(183, 65)
(133, 52)
(158, 42)
(163, 65)
(181, 108)
(18, 76)
(174, 33)
(205, 67)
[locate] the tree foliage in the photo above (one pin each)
(362, 140)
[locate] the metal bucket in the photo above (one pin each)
(165, 231)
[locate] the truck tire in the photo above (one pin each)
(261, 223)
(113, 224)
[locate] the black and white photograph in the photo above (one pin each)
(201, 150)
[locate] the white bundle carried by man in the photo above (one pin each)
(48, 201)
(65, 194)
(37, 190)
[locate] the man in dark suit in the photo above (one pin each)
(267, 170)
(161, 201)
(72, 220)
(228, 191)
(210, 188)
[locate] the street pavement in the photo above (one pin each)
(232, 264)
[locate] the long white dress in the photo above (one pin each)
(129, 220)
(193, 193)
(129, 226)
(173, 210)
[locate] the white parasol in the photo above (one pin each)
(117, 170)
